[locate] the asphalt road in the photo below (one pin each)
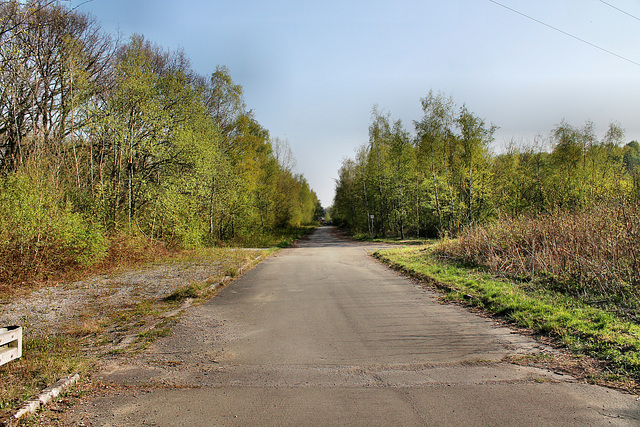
(321, 334)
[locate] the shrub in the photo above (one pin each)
(39, 235)
(590, 253)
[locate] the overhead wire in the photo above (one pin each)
(620, 10)
(566, 33)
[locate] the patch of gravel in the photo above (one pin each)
(51, 309)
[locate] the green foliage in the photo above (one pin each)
(631, 158)
(445, 178)
(631, 162)
(433, 183)
(129, 138)
(191, 291)
(40, 234)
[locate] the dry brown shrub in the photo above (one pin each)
(594, 252)
(20, 272)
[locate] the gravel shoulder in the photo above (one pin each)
(83, 325)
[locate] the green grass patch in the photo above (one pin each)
(153, 334)
(392, 240)
(583, 329)
(293, 234)
(281, 238)
(193, 290)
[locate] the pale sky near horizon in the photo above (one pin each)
(312, 71)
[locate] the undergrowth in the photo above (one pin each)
(41, 236)
(582, 328)
(592, 255)
(96, 332)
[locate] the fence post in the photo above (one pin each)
(10, 344)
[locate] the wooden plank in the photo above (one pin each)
(7, 354)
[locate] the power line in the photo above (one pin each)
(620, 10)
(567, 34)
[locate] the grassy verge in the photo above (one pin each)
(292, 235)
(583, 329)
(592, 255)
(392, 240)
(45, 360)
(100, 332)
(281, 238)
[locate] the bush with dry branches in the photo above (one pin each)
(592, 254)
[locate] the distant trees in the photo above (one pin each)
(444, 177)
(128, 139)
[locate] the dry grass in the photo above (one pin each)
(71, 327)
(46, 359)
(594, 254)
(124, 252)
(585, 330)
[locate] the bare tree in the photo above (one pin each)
(55, 62)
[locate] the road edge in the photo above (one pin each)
(31, 406)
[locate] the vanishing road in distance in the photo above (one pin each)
(321, 334)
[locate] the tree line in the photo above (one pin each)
(444, 177)
(99, 137)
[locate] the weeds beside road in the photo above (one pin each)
(583, 329)
(593, 255)
(68, 328)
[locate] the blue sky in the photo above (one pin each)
(313, 70)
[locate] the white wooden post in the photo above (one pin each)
(10, 343)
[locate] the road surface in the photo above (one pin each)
(322, 334)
